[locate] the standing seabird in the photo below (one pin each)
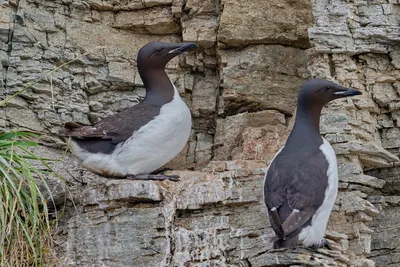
(301, 182)
(140, 139)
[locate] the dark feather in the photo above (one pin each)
(295, 184)
(297, 219)
(106, 134)
(72, 125)
(276, 223)
(288, 242)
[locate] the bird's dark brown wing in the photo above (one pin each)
(294, 189)
(116, 128)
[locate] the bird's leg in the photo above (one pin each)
(157, 177)
(323, 244)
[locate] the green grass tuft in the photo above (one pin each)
(25, 232)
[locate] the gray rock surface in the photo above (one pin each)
(241, 86)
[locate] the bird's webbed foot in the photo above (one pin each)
(155, 177)
(323, 244)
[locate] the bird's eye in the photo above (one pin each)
(328, 88)
(159, 49)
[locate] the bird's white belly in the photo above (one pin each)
(314, 233)
(152, 146)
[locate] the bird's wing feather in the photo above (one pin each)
(276, 223)
(296, 189)
(116, 128)
(296, 219)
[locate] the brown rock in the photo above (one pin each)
(204, 95)
(250, 136)
(153, 21)
(384, 94)
(262, 77)
(202, 31)
(269, 22)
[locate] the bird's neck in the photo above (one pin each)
(306, 127)
(159, 88)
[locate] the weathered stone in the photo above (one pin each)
(17, 102)
(390, 138)
(385, 121)
(385, 248)
(201, 23)
(367, 180)
(201, 30)
(250, 135)
(299, 257)
(243, 229)
(129, 191)
(95, 106)
(395, 56)
(130, 5)
(270, 22)
(5, 22)
(353, 26)
(372, 154)
(351, 203)
(120, 237)
(383, 94)
(262, 77)
(390, 176)
(91, 38)
(338, 122)
(154, 21)
(203, 149)
(204, 94)
(23, 118)
(121, 73)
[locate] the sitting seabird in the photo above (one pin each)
(140, 139)
(301, 182)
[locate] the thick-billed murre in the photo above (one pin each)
(140, 139)
(301, 181)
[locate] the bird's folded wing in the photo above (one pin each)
(117, 128)
(296, 219)
(295, 192)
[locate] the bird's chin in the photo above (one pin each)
(167, 58)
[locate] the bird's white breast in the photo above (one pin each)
(152, 146)
(314, 233)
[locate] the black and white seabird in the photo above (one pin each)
(140, 139)
(301, 182)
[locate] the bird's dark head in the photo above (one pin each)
(320, 92)
(156, 55)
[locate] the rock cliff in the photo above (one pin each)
(241, 86)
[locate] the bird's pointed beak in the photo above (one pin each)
(182, 48)
(346, 92)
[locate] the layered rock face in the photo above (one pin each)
(241, 86)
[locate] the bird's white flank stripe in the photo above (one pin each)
(314, 233)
